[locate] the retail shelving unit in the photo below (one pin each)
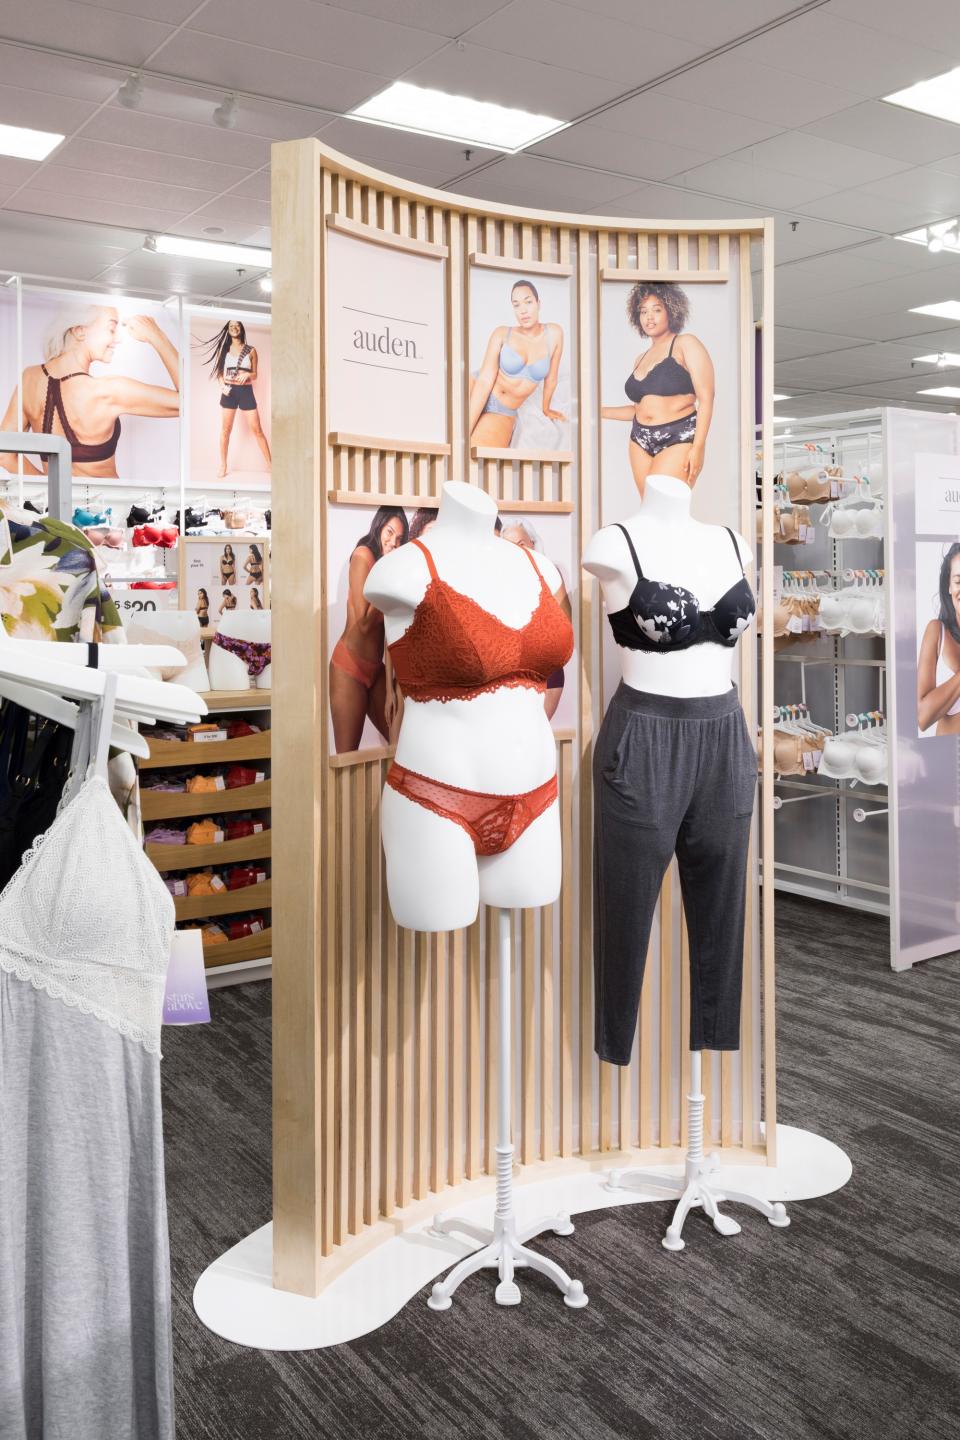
(822, 847)
(179, 754)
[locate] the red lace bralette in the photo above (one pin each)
(453, 649)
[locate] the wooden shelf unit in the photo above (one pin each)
(167, 806)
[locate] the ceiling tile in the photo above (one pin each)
(110, 34)
(836, 271)
(256, 186)
(657, 116)
(711, 23)
(587, 144)
(174, 12)
(127, 161)
(889, 130)
(397, 151)
(733, 82)
(56, 75)
(797, 152)
(570, 189)
(507, 78)
(69, 182)
(42, 112)
(242, 209)
(15, 172)
(930, 192)
(936, 23)
(76, 207)
(859, 207)
(835, 52)
(174, 137)
(812, 237)
(570, 38)
(223, 63)
(801, 341)
(740, 180)
(319, 32)
(253, 117)
(444, 17)
(663, 202)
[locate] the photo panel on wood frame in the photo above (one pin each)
(386, 336)
(366, 704)
(520, 357)
(670, 368)
(224, 574)
(88, 343)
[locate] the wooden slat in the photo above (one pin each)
(344, 944)
(360, 231)
(373, 1039)
(340, 440)
(410, 500)
(493, 452)
(250, 699)
(665, 276)
(233, 952)
(585, 633)
(225, 902)
(162, 805)
(528, 1031)
(198, 857)
(167, 753)
(355, 974)
(768, 997)
(510, 262)
(666, 1009)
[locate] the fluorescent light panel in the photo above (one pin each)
(784, 419)
(781, 397)
(230, 312)
(456, 117)
(213, 250)
(947, 356)
(938, 96)
(944, 309)
(27, 144)
(948, 392)
(944, 235)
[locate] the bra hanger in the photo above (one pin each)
(138, 698)
(53, 707)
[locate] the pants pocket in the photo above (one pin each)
(631, 779)
(743, 765)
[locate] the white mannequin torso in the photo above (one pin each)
(673, 547)
(229, 672)
(498, 743)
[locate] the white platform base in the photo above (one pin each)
(235, 1297)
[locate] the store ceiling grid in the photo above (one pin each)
(682, 109)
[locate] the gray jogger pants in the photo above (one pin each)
(671, 776)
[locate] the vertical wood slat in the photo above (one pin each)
(566, 954)
(344, 942)
(528, 1031)
(375, 990)
(585, 635)
(768, 999)
(355, 965)
(666, 1008)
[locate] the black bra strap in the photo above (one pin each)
(736, 548)
(633, 552)
(672, 343)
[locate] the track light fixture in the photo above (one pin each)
(225, 114)
(266, 284)
(130, 93)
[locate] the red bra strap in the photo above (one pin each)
(429, 558)
(527, 552)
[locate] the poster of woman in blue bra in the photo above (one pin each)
(105, 372)
(670, 386)
(519, 361)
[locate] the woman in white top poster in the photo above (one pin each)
(938, 665)
(234, 364)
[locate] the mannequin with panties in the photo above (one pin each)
(240, 653)
(470, 812)
(674, 772)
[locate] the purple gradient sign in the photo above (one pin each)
(185, 1001)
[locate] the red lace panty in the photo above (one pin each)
(493, 822)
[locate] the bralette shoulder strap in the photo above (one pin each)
(526, 550)
(428, 557)
(672, 343)
(633, 553)
(736, 548)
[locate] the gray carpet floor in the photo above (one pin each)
(846, 1326)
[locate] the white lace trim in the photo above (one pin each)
(23, 970)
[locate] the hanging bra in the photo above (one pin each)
(856, 611)
(672, 379)
(667, 617)
(849, 524)
(453, 649)
(82, 454)
(814, 485)
(512, 363)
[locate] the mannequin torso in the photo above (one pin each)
(497, 743)
(675, 548)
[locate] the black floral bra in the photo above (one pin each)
(667, 617)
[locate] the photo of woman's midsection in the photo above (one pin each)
(499, 742)
(661, 409)
(509, 394)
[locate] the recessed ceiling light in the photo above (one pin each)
(944, 309)
(456, 117)
(944, 359)
(213, 229)
(25, 144)
(949, 392)
(208, 250)
(939, 96)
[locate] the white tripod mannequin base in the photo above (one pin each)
(696, 1187)
(504, 1248)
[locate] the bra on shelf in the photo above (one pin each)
(668, 617)
(453, 649)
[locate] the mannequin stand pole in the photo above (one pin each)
(504, 1247)
(696, 1188)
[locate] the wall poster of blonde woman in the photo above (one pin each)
(104, 371)
(670, 392)
(230, 399)
(366, 704)
(520, 357)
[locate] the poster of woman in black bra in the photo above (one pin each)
(519, 361)
(669, 383)
(105, 373)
